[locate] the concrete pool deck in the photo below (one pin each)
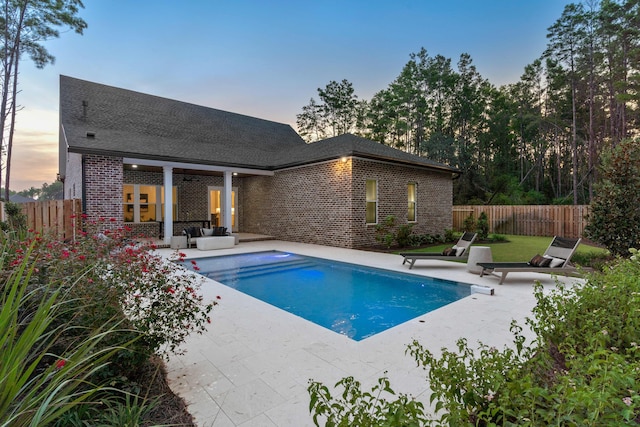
(253, 365)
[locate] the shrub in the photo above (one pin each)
(614, 220)
(498, 238)
(402, 235)
(482, 226)
(363, 409)
(470, 224)
(150, 305)
(37, 383)
(451, 236)
(581, 368)
(386, 233)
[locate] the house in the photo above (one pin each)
(17, 198)
(156, 165)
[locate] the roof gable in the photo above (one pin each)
(137, 124)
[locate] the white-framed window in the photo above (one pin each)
(411, 202)
(372, 201)
(145, 203)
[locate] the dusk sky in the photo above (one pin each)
(265, 58)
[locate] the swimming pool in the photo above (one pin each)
(353, 300)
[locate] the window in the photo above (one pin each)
(372, 201)
(145, 203)
(411, 199)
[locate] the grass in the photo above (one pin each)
(519, 248)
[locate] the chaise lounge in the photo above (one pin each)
(459, 252)
(554, 260)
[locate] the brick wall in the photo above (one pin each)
(326, 203)
(323, 203)
(433, 202)
(309, 204)
(103, 192)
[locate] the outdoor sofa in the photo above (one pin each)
(196, 233)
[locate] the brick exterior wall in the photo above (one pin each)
(309, 204)
(326, 203)
(322, 203)
(433, 202)
(103, 192)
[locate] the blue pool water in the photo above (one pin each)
(350, 299)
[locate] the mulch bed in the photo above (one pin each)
(170, 409)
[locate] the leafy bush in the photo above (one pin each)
(470, 224)
(402, 235)
(581, 369)
(37, 383)
(384, 233)
(614, 220)
(451, 236)
(363, 409)
(387, 234)
(482, 226)
(498, 237)
(105, 282)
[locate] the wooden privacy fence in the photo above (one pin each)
(528, 220)
(53, 216)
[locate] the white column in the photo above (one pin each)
(168, 203)
(227, 200)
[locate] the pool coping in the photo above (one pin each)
(252, 366)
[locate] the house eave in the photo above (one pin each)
(375, 158)
(196, 164)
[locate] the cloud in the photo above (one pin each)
(34, 160)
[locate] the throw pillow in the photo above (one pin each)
(554, 262)
(207, 232)
(545, 262)
(536, 260)
(449, 252)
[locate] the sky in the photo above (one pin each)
(264, 58)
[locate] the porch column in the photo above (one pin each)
(227, 200)
(168, 203)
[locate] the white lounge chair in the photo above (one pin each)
(462, 255)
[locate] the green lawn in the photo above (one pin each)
(518, 248)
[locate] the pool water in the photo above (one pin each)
(350, 299)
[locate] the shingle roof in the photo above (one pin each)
(132, 124)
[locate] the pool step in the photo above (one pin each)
(230, 274)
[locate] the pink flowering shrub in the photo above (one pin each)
(112, 279)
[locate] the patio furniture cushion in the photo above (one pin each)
(206, 232)
(215, 242)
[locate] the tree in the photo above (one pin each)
(311, 122)
(24, 26)
(565, 38)
(614, 220)
(337, 113)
